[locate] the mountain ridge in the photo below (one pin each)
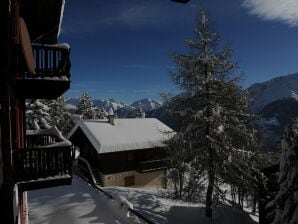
(274, 89)
(146, 104)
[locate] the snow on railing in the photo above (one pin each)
(46, 138)
(47, 153)
(86, 168)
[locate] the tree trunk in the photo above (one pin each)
(209, 195)
(180, 185)
(211, 178)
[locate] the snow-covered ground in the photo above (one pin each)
(157, 205)
(78, 203)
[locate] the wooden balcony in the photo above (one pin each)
(52, 72)
(45, 162)
(152, 165)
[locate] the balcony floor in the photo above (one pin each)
(42, 88)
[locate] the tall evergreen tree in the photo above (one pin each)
(86, 107)
(214, 113)
(37, 115)
(287, 197)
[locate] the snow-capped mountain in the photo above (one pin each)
(272, 90)
(109, 104)
(146, 104)
(122, 109)
(276, 101)
(105, 104)
(274, 118)
(72, 100)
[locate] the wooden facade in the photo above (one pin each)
(22, 167)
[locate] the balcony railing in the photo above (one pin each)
(51, 78)
(49, 61)
(47, 154)
(152, 165)
(35, 163)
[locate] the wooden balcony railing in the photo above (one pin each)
(40, 140)
(46, 154)
(49, 60)
(152, 165)
(52, 72)
(34, 163)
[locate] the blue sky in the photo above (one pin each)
(121, 49)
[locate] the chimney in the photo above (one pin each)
(139, 112)
(143, 115)
(111, 117)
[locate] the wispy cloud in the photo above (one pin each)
(278, 10)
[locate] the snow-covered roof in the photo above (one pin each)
(126, 134)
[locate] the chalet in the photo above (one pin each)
(123, 152)
(32, 66)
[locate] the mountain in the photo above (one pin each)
(272, 90)
(146, 104)
(122, 109)
(75, 101)
(107, 104)
(275, 117)
(276, 102)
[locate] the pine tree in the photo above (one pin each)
(86, 107)
(59, 116)
(37, 115)
(214, 113)
(287, 197)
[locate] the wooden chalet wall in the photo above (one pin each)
(86, 148)
(8, 12)
(127, 160)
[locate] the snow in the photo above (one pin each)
(53, 78)
(78, 203)
(111, 112)
(157, 205)
(272, 90)
(126, 134)
(53, 131)
(61, 17)
(294, 95)
(146, 104)
(70, 107)
(61, 46)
